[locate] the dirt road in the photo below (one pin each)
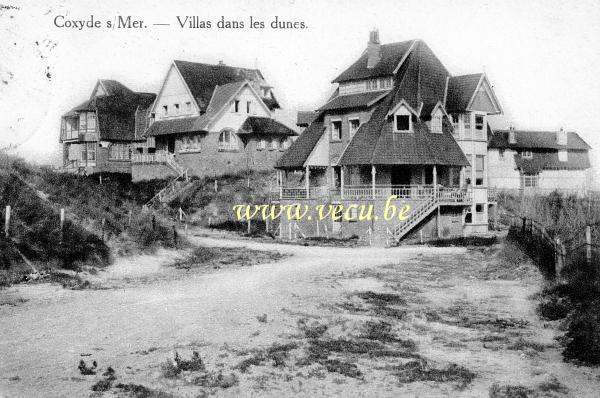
(452, 311)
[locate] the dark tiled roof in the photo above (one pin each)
(535, 140)
(116, 110)
(376, 143)
(301, 149)
(391, 55)
(360, 100)
(576, 160)
(266, 125)
(177, 126)
(203, 78)
(305, 118)
(460, 91)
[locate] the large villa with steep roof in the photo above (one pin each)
(399, 125)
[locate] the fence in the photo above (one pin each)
(556, 257)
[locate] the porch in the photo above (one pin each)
(443, 183)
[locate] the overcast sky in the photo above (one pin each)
(542, 57)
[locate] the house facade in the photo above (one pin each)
(210, 120)
(539, 161)
(399, 130)
(100, 135)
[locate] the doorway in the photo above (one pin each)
(171, 145)
(400, 175)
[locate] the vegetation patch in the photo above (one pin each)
(421, 370)
(509, 391)
(277, 354)
(216, 257)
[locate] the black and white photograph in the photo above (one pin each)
(299, 198)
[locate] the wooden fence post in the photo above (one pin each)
(318, 231)
(216, 185)
(290, 230)
(7, 221)
(249, 227)
(588, 245)
(62, 224)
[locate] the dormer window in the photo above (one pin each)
(527, 154)
(403, 123)
(336, 130)
(436, 123)
(563, 155)
(353, 125)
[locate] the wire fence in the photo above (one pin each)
(558, 258)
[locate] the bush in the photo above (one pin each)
(583, 337)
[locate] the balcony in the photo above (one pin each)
(445, 195)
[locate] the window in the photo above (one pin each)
(91, 121)
(248, 104)
(479, 212)
(287, 143)
(479, 169)
(274, 144)
(83, 121)
(336, 130)
(176, 108)
(283, 144)
(119, 152)
(501, 154)
(165, 109)
(562, 155)
(227, 141)
(436, 124)
(190, 144)
(236, 106)
(468, 170)
(385, 82)
(529, 180)
(402, 123)
(455, 121)
(262, 144)
(353, 125)
(479, 125)
(372, 84)
(188, 107)
(91, 151)
(526, 154)
(467, 121)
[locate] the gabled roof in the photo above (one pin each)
(391, 56)
(376, 143)
(301, 149)
(460, 91)
(266, 126)
(113, 87)
(202, 79)
(577, 160)
(535, 140)
(361, 100)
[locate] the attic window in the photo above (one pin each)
(402, 123)
(353, 125)
(188, 106)
(562, 155)
(165, 109)
(262, 144)
(176, 108)
(236, 106)
(248, 106)
(336, 130)
(436, 124)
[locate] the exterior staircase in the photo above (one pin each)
(174, 188)
(415, 217)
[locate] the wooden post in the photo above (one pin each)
(100, 179)
(588, 245)
(216, 185)
(249, 227)
(342, 182)
(62, 223)
(7, 221)
(209, 221)
(267, 225)
(559, 258)
(307, 182)
(435, 181)
(290, 230)
(373, 172)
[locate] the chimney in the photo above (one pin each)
(373, 49)
(512, 138)
(561, 137)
